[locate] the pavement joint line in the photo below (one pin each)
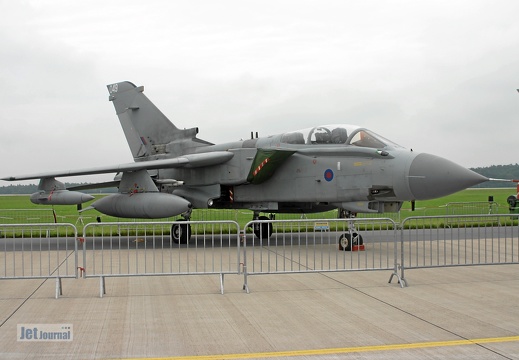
(34, 292)
(408, 313)
(23, 302)
(395, 307)
(336, 351)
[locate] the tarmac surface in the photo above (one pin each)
(462, 313)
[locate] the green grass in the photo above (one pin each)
(27, 212)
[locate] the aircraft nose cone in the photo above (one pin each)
(431, 177)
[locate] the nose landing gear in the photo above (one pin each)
(350, 241)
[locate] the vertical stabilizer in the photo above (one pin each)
(148, 131)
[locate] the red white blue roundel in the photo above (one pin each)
(328, 175)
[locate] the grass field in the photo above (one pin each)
(18, 209)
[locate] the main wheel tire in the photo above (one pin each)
(263, 230)
(180, 233)
(347, 240)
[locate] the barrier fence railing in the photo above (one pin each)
(471, 208)
(302, 246)
(39, 251)
(28, 216)
(444, 241)
(161, 248)
(261, 247)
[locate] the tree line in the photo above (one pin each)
(498, 172)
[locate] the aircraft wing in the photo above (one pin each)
(189, 160)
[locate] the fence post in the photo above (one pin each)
(59, 289)
(102, 286)
(243, 238)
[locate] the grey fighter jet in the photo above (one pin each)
(310, 170)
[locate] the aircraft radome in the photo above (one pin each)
(310, 170)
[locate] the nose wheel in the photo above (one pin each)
(348, 241)
(351, 240)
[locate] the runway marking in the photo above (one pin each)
(335, 351)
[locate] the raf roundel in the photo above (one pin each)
(328, 175)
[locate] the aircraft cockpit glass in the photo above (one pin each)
(367, 138)
(364, 138)
(320, 135)
(337, 135)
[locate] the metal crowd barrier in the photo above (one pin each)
(39, 251)
(445, 241)
(159, 248)
(471, 208)
(28, 216)
(303, 246)
(46, 251)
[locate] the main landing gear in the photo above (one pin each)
(263, 231)
(181, 231)
(351, 240)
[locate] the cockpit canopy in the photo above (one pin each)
(338, 134)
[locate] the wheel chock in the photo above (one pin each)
(358, 248)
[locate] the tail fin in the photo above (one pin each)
(147, 130)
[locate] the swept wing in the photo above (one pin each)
(190, 160)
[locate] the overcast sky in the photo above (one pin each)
(435, 76)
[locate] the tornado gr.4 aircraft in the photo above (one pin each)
(310, 170)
